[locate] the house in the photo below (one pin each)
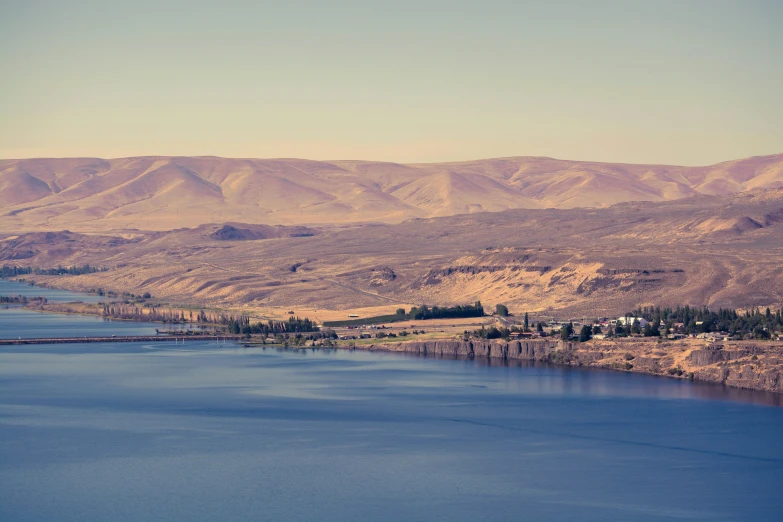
(628, 321)
(718, 336)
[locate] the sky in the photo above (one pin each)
(675, 82)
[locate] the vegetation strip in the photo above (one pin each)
(420, 313)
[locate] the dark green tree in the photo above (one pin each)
(585, 334)
(566, 331)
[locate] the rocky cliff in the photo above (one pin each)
(742, 364)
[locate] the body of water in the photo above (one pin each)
(16, 322)
(201, 431)
(12, 288)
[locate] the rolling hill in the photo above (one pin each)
(163, 193)
(716, 250)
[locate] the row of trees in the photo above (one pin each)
(169, 315)
(21, 299)
(424, 312)
(163, 315)
(693, 320)
(15, 271)
(235, 324)
(243, 325)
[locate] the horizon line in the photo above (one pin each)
(211, 156)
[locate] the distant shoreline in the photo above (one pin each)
(751, 365)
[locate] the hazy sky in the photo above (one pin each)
(684, 82)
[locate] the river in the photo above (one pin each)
(203, 431)
(17, 322)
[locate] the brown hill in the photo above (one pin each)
(715, 250)
(162, 193)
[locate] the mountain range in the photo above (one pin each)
(162, 193)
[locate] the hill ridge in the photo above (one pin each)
(164, 192)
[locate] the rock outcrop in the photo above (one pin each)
(750, 365)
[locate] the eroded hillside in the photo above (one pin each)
(163, 193)
(720, 251)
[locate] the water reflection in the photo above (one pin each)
(572, 380)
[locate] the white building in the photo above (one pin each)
(628, 321)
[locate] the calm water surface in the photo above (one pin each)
(154, 431)
(16, 322)
(52, 294)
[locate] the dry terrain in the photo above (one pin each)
(327, 240)
(163, 193)
(716, 250)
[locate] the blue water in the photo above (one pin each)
(157, 431)
(17, 322)
(12, 288)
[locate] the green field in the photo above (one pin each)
(391, 318)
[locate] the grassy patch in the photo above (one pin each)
(391, 318)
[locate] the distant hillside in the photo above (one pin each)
(723, 251)
(162, 193)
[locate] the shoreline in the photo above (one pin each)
(748, 365)
(751, 365)
(741, 365)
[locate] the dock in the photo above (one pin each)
(121, 339)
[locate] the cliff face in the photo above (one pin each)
(749, 365)
(535, 350)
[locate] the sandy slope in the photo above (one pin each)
(161, 193)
